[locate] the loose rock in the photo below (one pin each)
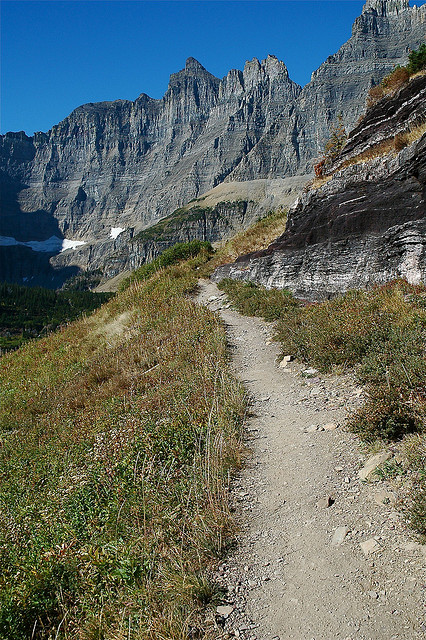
(224, 611)
(339, 535)
(369, 546)
(372, 464)
(324, 503)
(330, 426)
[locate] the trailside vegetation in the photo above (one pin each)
(176, 253)
(381, 334)
(118, 435)
(27, 313)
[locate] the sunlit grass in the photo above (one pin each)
(257, 237)
(118, 434)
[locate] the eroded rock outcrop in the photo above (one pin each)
(364, 226)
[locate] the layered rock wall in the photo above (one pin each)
(367, 225)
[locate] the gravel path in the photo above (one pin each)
(299, 570)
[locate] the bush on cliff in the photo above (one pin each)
(417, 60)
(399, 77)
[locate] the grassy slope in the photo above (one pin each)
(118, 434)
(117, 437)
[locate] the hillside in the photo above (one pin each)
(118, 435)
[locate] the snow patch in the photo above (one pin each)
(71, 244)
(51, 245)
(115, 232)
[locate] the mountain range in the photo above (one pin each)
(77, 196)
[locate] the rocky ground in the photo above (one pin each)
(322, 553)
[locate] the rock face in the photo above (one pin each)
(364, 226)
(128, 164)
(381, 38)
(220, 213)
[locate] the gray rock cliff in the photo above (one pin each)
(126, 165)
(366, 225)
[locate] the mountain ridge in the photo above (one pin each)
(125, 164)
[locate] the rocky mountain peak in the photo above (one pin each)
(274, 67)
(193, 66)
(269, 69)
(193, 71)
(386, 7)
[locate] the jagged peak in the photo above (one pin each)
(271, 65)
(193, 65)
(386, 7)
(193, 69)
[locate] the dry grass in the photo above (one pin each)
(114, 463)
(392, 83)
(390, 146)
(257, 237)
(318, 182)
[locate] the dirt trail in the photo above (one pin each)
(291, 577)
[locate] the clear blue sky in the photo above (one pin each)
(59, 54)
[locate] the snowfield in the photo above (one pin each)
(51, 245)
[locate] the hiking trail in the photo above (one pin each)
(321, 553)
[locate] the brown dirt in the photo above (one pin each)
(286, 579)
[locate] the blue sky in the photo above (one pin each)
(59, 54)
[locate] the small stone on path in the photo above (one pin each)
(372, 463)
(339, 535)
(384, 497)
(369, 546)
(310, 372)
(330, 426)
(324, 503)
(313, 428)
(224, 611)
(285, 361)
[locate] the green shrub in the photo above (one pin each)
(253, 300)
(173, 255)
(417, 59)
(386, 416)
(337, 140)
